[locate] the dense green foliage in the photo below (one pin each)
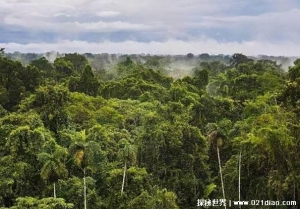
(135, 137)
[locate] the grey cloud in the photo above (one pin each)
(75, 27)
(238, 22)
(169, 47)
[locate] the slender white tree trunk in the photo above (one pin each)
(84, 188)
(54, 191)
(124, 173)
(240, 160)
(221, 176)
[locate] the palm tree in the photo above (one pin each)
(84, 153)
(54, 167)
(127, 153)
(216, 138)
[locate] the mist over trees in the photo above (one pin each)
(140, 131)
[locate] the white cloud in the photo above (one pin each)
(74, 27)
(260, 27)
(256, 22)
(169, 47)
(108, 14)
(269, 17)
(169, 13)
(107, 26)
(24, 8)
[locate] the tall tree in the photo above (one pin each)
(85, 154)
(216, 137)
(53, 157)
(128, 154)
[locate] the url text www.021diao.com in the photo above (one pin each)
(234, 203)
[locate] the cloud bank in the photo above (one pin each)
(210, 46)
(159, 27)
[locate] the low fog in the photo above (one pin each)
(176, 66)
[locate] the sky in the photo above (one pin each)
(251, 27)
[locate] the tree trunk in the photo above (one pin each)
(84, 188)
(221, 176)
(240, 160)
(54, 191)
(124, 174)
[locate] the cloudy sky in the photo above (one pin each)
(251, 27)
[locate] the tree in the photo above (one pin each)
(78, 61)
(31, 77)
(291, 92)
(190, 56)
(271, 141)
(50, 101)
(22, 136)
(33, 203)
(128, 62)
(25, 142)
(2, 52)
(11, 79)
(216, 138)
(3, 95)
(46, 68)
(87, 83)
(128, 153)
(154, 62)
(204, 56)
(156, 198)
(86, 154)
(53, 159)
(64, 68)
(201, 79)
(237, 59)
